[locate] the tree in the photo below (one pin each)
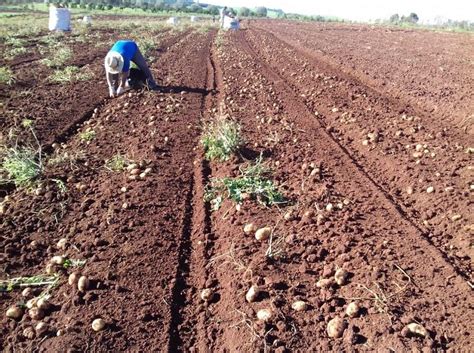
(244, 12)
(261, 11)
(394, 18)
(413, 18)
(212, 10)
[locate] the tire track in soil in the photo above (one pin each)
(405, 212)
(189, 330)
(454, 291)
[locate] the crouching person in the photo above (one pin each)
(117, 66)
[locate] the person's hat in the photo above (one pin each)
(113, 63)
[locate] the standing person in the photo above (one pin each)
(117, 66)
(223, 14)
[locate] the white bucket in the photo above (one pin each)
(172, 21)
(87, 20)
(59, 19)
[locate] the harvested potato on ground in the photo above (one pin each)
(263, 233)
(264, 315)
(14, 312)
(336, 327)
(252, 294)
(414, 329)
(207, 294)
(341, 276)
(352, 309)
(299, 305)
(98, 325)
(250, 228)
(83, 283)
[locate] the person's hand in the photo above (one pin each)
(120, 90)
(112, 92)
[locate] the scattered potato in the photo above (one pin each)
(41, 328)
(31, 303)
(123, 189)
(207, 294)
(430, 189)
(36, 313)
(14, 312)
(72, 279)
(27, 292)
(325, 282)
(43, 303)
(264, 315)
(263, 233)
(252, 294)
(50, 269)
(98, 325)
(415, 330)
(83, 283)
(456, 217)
(29, 333)
(125, 205)
(249, 228)
(58, 260)
(341, 276)
(336, 327)
(352, 309)
(61, 244)
(299, 305)
(329, 207)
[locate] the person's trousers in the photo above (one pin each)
(140, 61)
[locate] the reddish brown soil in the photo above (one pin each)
(298, 104)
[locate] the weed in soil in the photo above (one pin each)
(87, 136)
(252, 183)
(117, 163)
(6, 76)
(221, 138)
(34, 281)
(59, 55)
(20, 165)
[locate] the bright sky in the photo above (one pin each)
(364, 9)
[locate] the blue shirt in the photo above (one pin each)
(126, 48)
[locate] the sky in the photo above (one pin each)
(364, 10)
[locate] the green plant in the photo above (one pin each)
(22, 165)
(87, 135)
(60, 185)
(6, 76)
(59, 55)
(70, 74)
(221, 138)
(70, 263)
(34, 281)
(117, 163)
(252, 183)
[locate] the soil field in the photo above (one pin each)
(367, 132)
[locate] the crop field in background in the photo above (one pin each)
(292, 187)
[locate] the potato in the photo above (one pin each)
(41, 328)
(98, 325)
(250, 228)
(43, 303)
(263, 233)
(336, 327)
(352, 309)
(430, 189)
(207, 294)
(61, 244)
(264, 315)
(252, 294)
(14, 312)
(299, 305)
(83, 283)
(36, 313)
(29, 333)
(325, 282)
(341, 276)
(416, 330)
(58, 260)
(72, 279)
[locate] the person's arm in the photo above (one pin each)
(110, 82)
(123, 81)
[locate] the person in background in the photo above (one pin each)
(117, 66)
(223, 13)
